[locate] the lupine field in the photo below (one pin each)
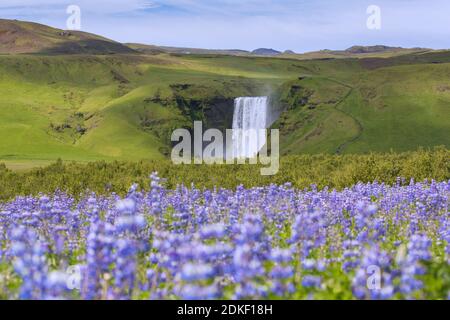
(369, 241)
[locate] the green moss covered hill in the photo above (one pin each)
(78, 96)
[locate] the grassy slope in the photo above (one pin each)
(394, 107)
(111, 92)
(355, 107)
(402, 107)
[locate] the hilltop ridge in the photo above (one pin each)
(18, 37)
(22, 37)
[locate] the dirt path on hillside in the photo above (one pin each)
(359, 125)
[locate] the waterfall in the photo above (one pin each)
(250, 115)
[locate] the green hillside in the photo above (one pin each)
(398, 107)
(124, 106)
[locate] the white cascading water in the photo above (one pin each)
(250, 115)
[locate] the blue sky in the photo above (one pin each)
(300, 25)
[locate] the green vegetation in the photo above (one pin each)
(334, 171)
(396, 107)
(124, 107)
(101, 107)
(95, 106)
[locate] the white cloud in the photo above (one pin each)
(97, 6)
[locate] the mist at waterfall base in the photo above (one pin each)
(247, 140)
(250, 116)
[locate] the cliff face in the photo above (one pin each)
(213, 105)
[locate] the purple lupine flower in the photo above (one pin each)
(219, 243)
(311, 281)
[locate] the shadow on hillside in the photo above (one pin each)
(408, 59)
(88, 47)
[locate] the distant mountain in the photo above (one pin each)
(266, 52)
(355, 51)
(377, 51)
(28, 37)
(153, 49)
(18, 37)
(377, 48)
